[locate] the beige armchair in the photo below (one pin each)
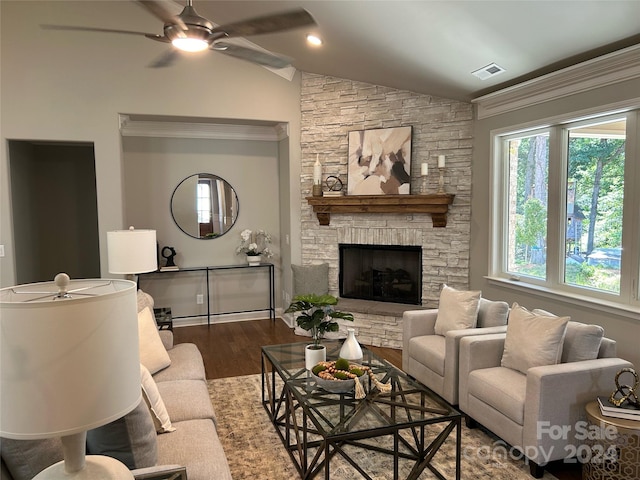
(539, 412)
(432, 359)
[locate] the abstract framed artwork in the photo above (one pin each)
(379, 161)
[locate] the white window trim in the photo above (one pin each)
(553, 287)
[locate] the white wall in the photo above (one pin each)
(624, 329)
(57, 85)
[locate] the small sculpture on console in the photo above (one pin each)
(170, 265)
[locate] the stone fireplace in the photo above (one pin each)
(385, 273)
(330, 108)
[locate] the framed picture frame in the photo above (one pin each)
(380, 161)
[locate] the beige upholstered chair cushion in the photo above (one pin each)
(153, 355)
(492, 313)
(457, 310)
(532, 340)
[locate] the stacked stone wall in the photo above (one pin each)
(330, 109)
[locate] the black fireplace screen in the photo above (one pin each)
(386, 273)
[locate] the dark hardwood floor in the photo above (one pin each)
(233, 349)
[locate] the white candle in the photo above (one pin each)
(317, 171)
(440, 161)
(425, 169)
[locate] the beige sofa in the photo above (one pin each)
(193, 444)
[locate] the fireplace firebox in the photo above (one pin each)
(385, 273)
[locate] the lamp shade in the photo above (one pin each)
(132, 251)
(69, 356)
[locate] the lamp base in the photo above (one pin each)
(97, 467)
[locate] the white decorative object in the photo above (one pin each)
(317, 171)
(424, 169)
(441, 161)
(351, 349)
(314, 354)
(254, 260)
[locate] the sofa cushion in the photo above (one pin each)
(532, 340)
(199, 405)
(26, 458)
(144, 300)
(154, 401)
(492, 313)
(153, 355)
(310, 279)
(457, 310)
(581, 342)
(502, 388)
(186, 364)
(206, 462)
(130, 439)
(429, 350)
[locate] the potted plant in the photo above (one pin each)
(254, 245)
(317, 317)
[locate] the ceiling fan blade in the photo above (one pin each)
(91, 29)
(162, 11)
(268, 24)
(255, 56)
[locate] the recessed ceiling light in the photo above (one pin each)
(489, 71)
(314, 40)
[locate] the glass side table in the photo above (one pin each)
(163, 317)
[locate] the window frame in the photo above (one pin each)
(627, 301)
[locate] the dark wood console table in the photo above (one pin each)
(209, 269)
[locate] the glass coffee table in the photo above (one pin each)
(408, 425)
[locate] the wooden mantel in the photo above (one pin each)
(435, 204)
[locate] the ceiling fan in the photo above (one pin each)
(191, 32)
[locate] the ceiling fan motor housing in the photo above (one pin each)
(198, 27)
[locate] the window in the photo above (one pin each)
(565, 213)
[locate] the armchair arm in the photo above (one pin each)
(555, 400)
(476, 352)
(414, 324)
(452, 354)
(167, 338)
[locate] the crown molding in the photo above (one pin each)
(606, 70)
(212, 131)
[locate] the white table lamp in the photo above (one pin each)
(69, 363)
(132, 251)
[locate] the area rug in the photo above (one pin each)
(254, 450)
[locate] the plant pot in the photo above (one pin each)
(254, 260)
(314, 354)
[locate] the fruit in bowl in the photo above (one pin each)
(338, 376)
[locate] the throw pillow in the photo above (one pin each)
(492, 313)
(27, 458)
(154, 401)
(457, 310)
(130, 439)
(144, 300)
(582, 342)
(153, 355)
(310, 279)
(532, 340)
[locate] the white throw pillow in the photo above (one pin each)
(154, 401)
(532, 340)
(153, 355)
(457, 310)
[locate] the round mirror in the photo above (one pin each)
(204, 206)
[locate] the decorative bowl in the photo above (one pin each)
(336, 386)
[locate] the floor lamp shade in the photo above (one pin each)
(69, 356)
(132, 251)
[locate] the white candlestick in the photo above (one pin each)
(424, 169)
(317, 171)
(440, 161)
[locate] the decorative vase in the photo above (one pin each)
(351, 348)
(314, 354)
(254, 260)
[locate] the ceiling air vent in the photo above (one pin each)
(490, 70)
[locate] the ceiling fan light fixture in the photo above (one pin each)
(314, 40)
(190, 44)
